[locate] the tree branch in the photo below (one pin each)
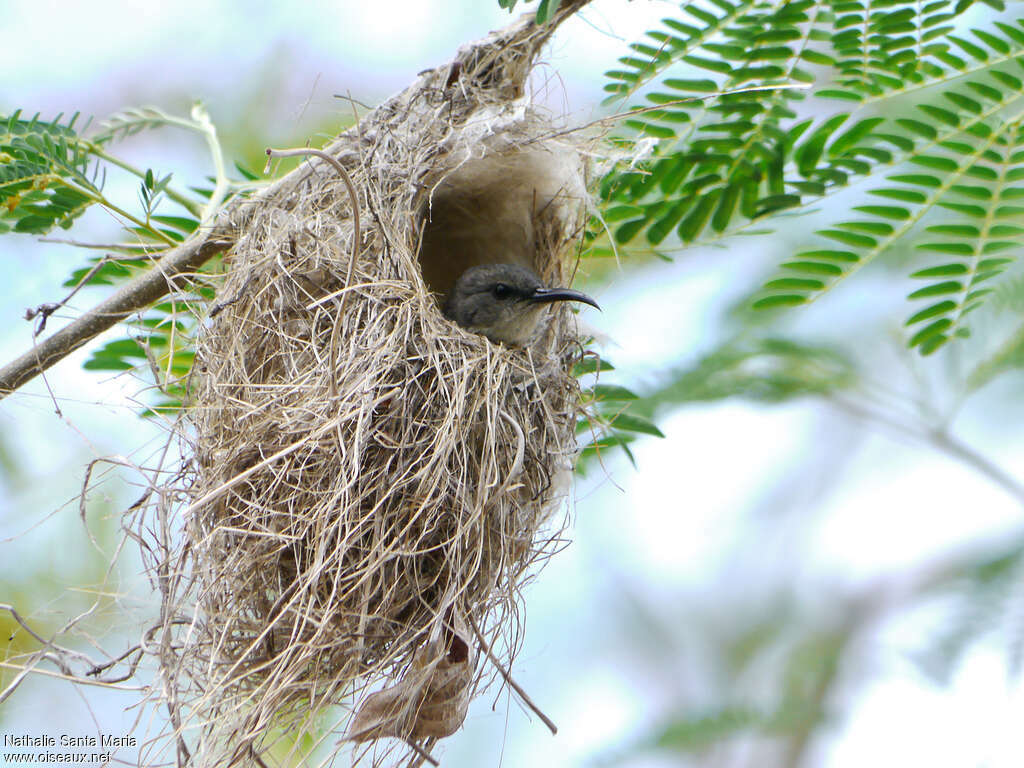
(146, 289)
(940, 440)
(130, 298)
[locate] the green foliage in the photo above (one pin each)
(810, 664)
(160, 343)
(768, 370)
(983, 597)
(130, 121)
(722, 151)
(967, 170)
(47, 174)
(694, 732)
(711, 155)
(1007, 301)
(150, 194)
(545, 9)
(889, 47)
(609, 420)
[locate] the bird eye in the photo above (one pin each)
(501, 290)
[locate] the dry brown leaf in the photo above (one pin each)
(430, 700)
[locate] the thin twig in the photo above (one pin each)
(508, 678)
(688, 100)
(56, 655)
(129, 251)
(940, 440)
(45, 310)
(137, 649)
(954, 447)
(421, 753)
(17, 617)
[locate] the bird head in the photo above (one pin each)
(504, 302)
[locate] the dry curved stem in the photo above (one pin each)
(356, 237)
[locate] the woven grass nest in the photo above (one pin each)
(373, 485)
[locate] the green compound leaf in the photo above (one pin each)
(47, 174)
(945, 163)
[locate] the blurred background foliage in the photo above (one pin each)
(755, 392)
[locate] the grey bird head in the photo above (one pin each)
(503, 302)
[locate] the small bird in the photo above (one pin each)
(504, 302)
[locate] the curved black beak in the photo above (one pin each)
(547, 295)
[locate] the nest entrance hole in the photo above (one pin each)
(492, 210)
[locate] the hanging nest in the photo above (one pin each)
(373, 485)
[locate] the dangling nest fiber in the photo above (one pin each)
(371, 480)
